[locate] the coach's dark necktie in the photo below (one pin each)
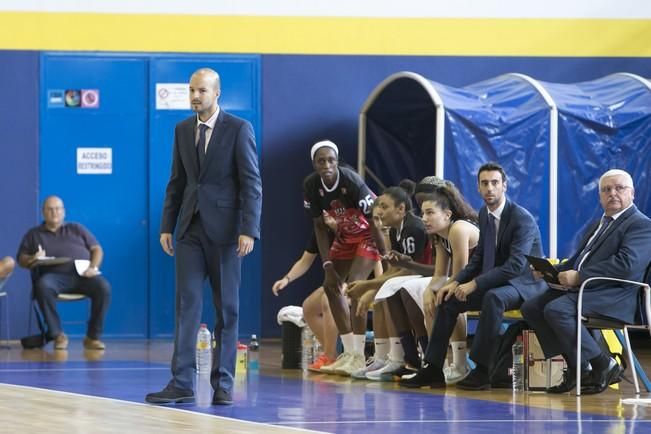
(489, 245)
(605, 224)
(201, 144)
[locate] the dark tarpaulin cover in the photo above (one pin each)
(503, 119)
(603, 124)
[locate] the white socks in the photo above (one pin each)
(396, 352)
(353, 343)
(359, 343)
(381, 348)
(349, 342)
(458, 353)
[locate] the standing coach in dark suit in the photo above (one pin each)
(496, 279)
(214, 198)
(618, 245)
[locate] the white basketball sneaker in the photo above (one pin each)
(453, 373)
(353, 364)
(342, 359)
(372, 364)
(389, 368)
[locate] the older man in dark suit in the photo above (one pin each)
(214, 198)
(497, 278)
(617, 245)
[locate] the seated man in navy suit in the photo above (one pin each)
(496, 279)
(618, 245)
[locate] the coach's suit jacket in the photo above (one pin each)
(623, 251)
(518, 235)
(227, 191)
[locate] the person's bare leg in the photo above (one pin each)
(380, 329)
(338, 302)
(7, 265)
(380, 333)
(403, 327)
(460, 332)
(414, 313)
(458, 343)
(396, 351)
(398, 314)
(359, 270)
(330, 333)
(313, 314)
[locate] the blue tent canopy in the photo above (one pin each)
(451, 131)
(603, 124)
(544, 134)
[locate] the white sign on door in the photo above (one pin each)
(172, 96)
(94, 161)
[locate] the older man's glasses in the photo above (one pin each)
(616, 188)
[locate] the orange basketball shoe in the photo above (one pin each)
(322, 360)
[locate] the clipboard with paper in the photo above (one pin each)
(548, 271)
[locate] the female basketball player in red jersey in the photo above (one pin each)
(341, 193)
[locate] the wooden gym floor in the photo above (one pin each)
(78, 391)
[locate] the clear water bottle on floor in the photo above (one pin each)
(254, 355)
(518, 365)
(307, 348)
(317, 349)
(204, 350)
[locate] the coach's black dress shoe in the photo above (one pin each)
(170, 395)
(428, 375)
(602, 379)
(222, 397)
(476, 380)
(569, 382)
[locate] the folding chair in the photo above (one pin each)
(65, 297)
(609, 323)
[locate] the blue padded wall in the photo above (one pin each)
(19, 84)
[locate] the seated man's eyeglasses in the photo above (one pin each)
(617, 188)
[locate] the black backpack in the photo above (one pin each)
(500, 374)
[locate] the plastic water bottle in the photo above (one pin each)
(518, 365)
(254, 354)
(241, 360)
(204, 350)
(307, 348)
(317, 349)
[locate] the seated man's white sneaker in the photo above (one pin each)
(330, 369)
(372, 364)
(453, 373)
(354, 363)
(390, 367)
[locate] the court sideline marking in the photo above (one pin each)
(156, 407)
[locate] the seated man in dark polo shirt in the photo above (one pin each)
(57, 239)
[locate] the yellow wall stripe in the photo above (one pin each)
(319, 35)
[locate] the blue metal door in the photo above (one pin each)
(240, 82)
(100, 101)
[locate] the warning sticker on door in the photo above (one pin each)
(172, 96)
(90, 98)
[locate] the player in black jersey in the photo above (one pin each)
(342, 194)
(407, 236)
(452, 224)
